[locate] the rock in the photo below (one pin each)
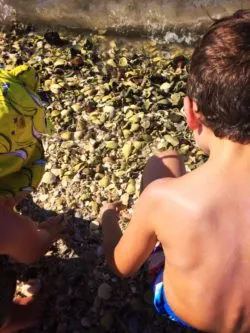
(123, 62)
(78, 135)
(111, 63)
(108, 109)
(66, 136)
(62, 328)
(166, 87)
(107, 321)
(55, 88)
(43, 197)
(60, 63)
(125, 199)
(49, 178)
(148, 297)
(94, 225)
(55, 113)
(47, 83)
(77, 107)
(65, 182)
(136, 303)
(64, 113)
(99, 251)
(56, 172)
(104, 291)
(48, 61)
(104, 182)
(85, 322)
(53, 38)
(39, 44)
(131, 187)
(78, 215)
(97, 304)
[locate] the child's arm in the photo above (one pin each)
(126, 253)
(22, 240)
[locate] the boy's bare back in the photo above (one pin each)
(202, 220)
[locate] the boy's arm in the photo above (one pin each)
(127, 252)
(22, 240)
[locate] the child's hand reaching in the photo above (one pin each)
(55, 226)
(110, 210)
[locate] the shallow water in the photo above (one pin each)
(172, 20)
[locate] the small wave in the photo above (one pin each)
(187, 38)
(174, 21)
(7, 12)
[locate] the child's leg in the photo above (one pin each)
(162, 165)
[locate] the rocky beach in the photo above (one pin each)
(111, 105)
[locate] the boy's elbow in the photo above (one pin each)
(125, 275)
(119, 271)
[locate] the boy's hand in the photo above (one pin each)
(110, 208)
(55, 226)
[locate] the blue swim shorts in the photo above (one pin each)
(156, 268)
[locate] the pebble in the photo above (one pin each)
(99, 251)
(104, 291)
(133, 289)
(85, 322)
(107, 321)
(60, 62)
(43, 197)
(76, 107)
(78, 215)
(64, 113)
(64, 182)
(108, 109)
(62, 328)
(94, 225)
(78, 135)
(39, 44)
(97, 304)
(136, 303)
(56, 172)
(49, 178)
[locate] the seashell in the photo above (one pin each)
(126, 150)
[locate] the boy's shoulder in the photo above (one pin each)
(188, 194)
(188, 183)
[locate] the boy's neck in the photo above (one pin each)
(226, 152)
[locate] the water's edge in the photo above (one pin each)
(144, 17)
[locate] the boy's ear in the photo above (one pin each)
(191, 112)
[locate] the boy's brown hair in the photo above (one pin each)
(219, 78)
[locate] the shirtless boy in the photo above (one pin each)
(202, 218)
(22, 121)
